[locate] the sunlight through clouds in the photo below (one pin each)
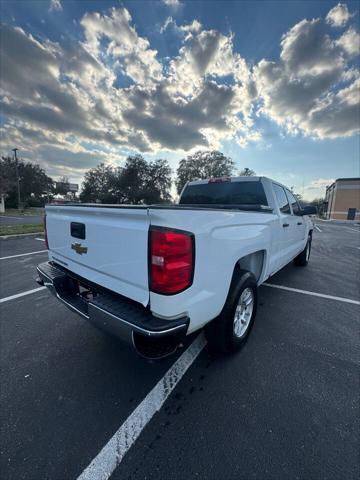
(111, 89)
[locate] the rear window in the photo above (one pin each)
(224, 193)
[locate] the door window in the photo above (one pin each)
(282, 199)
(294, 203)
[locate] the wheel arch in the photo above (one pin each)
(254, 262)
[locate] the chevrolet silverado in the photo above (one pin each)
(152, 274)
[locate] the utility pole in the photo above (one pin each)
(17, 177)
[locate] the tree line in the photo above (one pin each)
(34, 183)
(36, 187)
(138, 181)
(143, 182)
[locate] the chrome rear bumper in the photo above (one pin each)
(111, 312)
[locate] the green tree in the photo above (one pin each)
(137, 182)
(98, 185)
(142, 182)
(7, 180)
(158, 183)
(202, 165)
(317, 201)
(35, 185)
(132, 180)
(247, 172)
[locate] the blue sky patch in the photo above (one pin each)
(275, 85)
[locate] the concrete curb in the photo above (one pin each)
(4, 237)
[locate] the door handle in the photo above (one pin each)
(286, 225)
(299, 223)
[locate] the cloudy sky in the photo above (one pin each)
(275, 85)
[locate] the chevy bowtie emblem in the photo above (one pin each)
(79, 248)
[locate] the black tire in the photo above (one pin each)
(220, 332)
(303, 258)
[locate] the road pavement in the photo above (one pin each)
(21, 219)
(285, 407)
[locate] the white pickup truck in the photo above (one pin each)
(153, 274)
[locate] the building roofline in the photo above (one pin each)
(347, 179)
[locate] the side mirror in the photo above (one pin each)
(309, 210)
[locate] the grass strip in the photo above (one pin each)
(20, 229)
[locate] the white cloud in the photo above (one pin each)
(62, 96)
(307, 49)
(320, 183)
(137, 60)
(193, 27)
(339, 15)
(312, 89)
(173, 3)
(316, 188)
(111, 91)
(169, 21)
(55, 5)
(208, 53)
(350, 42)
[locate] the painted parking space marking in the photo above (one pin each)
(40, 239)
(314, 294)
(114, 451)
(22, 294)
(23, 254)
(318, 229)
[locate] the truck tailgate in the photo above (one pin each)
(113, 250)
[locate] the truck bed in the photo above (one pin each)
(113, 250)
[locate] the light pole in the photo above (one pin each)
(17, 177)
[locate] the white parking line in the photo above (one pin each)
(40, 239)
(314, 294)
(114, 451)
(317, 228)
(22, 294)
(23, 254)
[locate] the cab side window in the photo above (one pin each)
(294, 203)
(281, 199)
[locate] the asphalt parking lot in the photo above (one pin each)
(285, 407)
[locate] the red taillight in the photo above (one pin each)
(45, 233)
(171, 260)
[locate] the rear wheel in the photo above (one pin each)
(303, 258)
(230, 330)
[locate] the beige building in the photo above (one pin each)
(342, 199)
